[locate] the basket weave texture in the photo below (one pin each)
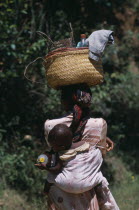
(68, 66)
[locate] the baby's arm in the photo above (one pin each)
(54, 164)
(47, 186)
(56, 169)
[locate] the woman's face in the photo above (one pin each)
(65, 105)
(66, 100)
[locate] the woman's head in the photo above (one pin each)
(79, 94)
(60, 137)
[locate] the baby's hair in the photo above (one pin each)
(61, 135)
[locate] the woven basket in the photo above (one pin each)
(68, 66)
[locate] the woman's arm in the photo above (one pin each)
(108, 142)
(47, 128)
(103, 133)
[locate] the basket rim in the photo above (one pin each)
(65, 49)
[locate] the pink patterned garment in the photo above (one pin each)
(95, 129)
(94, 133)
(60, 200)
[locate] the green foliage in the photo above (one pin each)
(19, 171)
(126, 194)
(11, 199)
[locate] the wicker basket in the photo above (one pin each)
(68, 66)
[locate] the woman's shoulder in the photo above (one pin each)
(97, 122)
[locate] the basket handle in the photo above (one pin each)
(26, 69)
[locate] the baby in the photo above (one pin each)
(77, 168)
(79, 163)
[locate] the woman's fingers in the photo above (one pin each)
(109, 144)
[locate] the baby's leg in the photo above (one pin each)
(105, 199)
(47, 187)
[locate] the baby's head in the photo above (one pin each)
(60, 137)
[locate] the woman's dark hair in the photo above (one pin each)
(78, 99)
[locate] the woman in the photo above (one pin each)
(76, 100)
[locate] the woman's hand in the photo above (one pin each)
(109, 144)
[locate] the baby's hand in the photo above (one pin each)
(41, 166)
